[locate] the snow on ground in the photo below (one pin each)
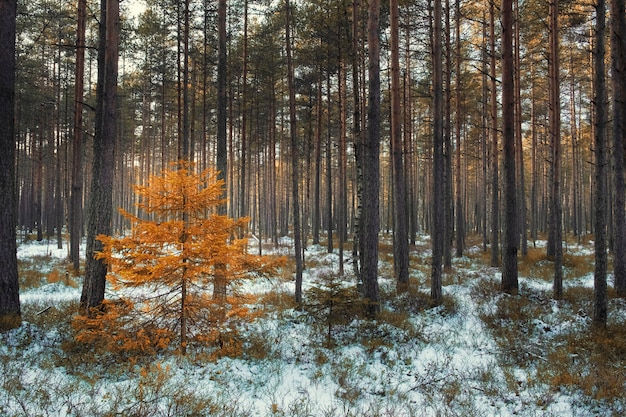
(440, 361)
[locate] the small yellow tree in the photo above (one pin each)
(164, 268)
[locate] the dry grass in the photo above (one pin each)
(593, 361)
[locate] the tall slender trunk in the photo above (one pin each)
(318, 163)
(219, 281)
(343, 184)
(460, 226)
(511, 237)
(329, 168)
(400, 232)
(601, 163)
(358, 144)
(555, 135)
(371, 175)
(495, 191)
(295, 156)
(521, 195)
(244, 117)
(448, 221)
(618, 69)
(10, 311)
(437, 233)
(101, 201)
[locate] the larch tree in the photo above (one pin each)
(400, 231)
(600, 196)
(511, 239)
(436, 293)
(165, 266)
(370, 220)
(10, 312)
(618, 70)
(101, 199)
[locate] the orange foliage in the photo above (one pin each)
(166, 265)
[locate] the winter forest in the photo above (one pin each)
(312, 208)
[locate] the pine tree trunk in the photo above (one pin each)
(243, 211)
(521, 195)
(358, 145)
(295, 156)
(618, 70)
(495, 191)
(219, 280)
(371, 175)
(318, 164)
(437, 233)
(555, 225)
(509, 266)
(10, 312)
(460, 224)
(101, 204)
(600, 142)
(401, 238)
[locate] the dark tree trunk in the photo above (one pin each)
(400, 231)
(101, 204)
(600, 196)
(295, 156)
(555, 226)
(318, 163)
(10, 314)
(437, 233)
(448, 229)
(219, 280)
(243, 211)
(618, 70)
(495, 188)
(358, 145)
(511, 239)
(521, 194)
(371, 176)
(460, 224)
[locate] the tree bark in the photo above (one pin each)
(436, 293)
(400, 232)
(600, 141)
(555, 226)
(448, 229)
(618, 70)
(219, 280)
(101, 204)
(495, 192)
(243, 211)
(358, 145)
(460, 224)
(371, 175)
(509, 265)
(295, 156)
(10, 312)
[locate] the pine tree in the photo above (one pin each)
(9, 283)
(175, 257)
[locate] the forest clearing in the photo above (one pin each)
(479, 353)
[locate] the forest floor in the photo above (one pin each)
(479, 353)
